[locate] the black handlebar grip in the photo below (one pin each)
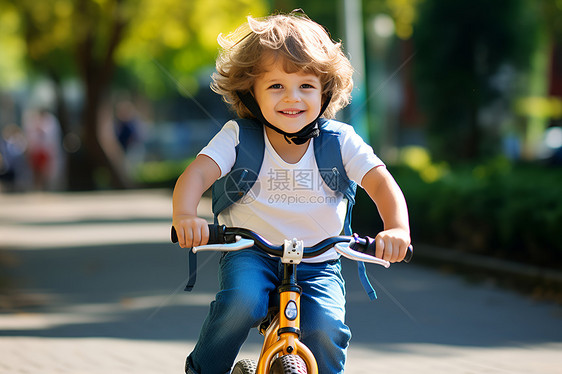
(174, 235)
(367, 245)
(409, 254)
(216, 234)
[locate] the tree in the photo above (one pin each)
(89, 39)
(461, 46)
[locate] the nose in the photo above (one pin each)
(292, 95)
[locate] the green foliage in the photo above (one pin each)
(461, 46)
(552, 13)
(47, 30)
(160, 173)
(403, 12)
(12, 47)
(180, 37)
(512, 212)
(131, 34)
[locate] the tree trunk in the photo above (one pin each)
(101, 161)
(98, 163)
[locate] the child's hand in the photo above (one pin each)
(192, 231)
(391, 245)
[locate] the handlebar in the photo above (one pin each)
(224, 238)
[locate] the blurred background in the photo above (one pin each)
(462, 100)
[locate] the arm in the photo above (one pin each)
(391, 244)
(194, 181)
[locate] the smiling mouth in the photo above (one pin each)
(291, 112)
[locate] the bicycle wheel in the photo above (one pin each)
(245, 366)
(288, 364)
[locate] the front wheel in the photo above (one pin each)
(288, 364)
(245, 366)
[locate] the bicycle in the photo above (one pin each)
(282, 351)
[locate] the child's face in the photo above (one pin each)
(289, 101)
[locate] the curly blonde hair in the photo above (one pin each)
(302, 44)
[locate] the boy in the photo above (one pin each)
(286, 72)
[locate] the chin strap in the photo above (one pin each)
(300, 137)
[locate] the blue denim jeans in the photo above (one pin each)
(247, 278)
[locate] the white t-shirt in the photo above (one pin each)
(291, 200)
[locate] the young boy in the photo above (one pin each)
(286, 72)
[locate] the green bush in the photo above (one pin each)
(160, 174)
(496, 209)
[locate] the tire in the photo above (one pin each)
(288, 364)
(245, 366)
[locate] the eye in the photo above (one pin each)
(306, 85)
(276, 86)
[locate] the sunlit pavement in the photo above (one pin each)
(100, 290)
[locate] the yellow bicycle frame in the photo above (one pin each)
(282, 336)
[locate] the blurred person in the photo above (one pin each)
(44, 148)
(126, 126)
(12, 160)
(128, 131)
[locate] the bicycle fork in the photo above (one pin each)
(283, 334)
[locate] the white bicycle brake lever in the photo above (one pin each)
(345, 250)
(227, 247)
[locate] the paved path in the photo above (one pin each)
(100, 291)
